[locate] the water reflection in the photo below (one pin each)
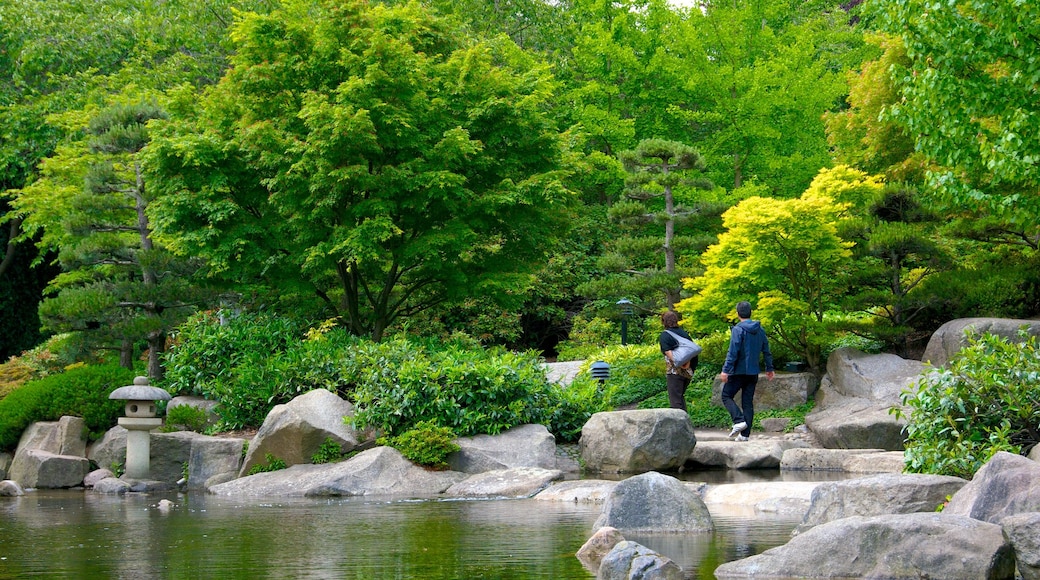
(75, 534)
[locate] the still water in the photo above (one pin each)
(76, 534)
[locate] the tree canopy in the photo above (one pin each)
(373, 155)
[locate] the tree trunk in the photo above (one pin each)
(126, 354)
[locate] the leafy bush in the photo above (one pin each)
(984, 402)
(273, 464)
(252, 362)
(425, 444)
(186, 417)
(81, 391)
(51, 357)
(329, 451)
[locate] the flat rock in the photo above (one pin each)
(577, 491)
(518, 482)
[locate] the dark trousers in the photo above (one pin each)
(676, 391)
(746, 412)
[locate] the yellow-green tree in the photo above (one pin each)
(787, 258)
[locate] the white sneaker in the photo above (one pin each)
(740, 438)
(737, 428)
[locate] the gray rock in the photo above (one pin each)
(654, 503)
(875, 377)
(522, 446)
(61, 437)
(813, 459)
(593, 551)
(894, 547)
(5, 464)
(169, 453)
(760, 454)
(211, 457)
(749, 499)
(1022, 531)
(885, 462)
(377, 471)
(632, 561)
(857, 424)
(9, 488)
(775, 424)
(112, 486)
(878, 495)
(637, 441)
(294, 432)
(578, 491)
(785, 391)
(562, 373)
(518, 482)
(110, 450)
(949, 339)
(1006, 485)
(95, 476)
(32, 468)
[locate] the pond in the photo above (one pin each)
(77, 534)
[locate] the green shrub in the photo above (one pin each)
(329, 451)
(81, 392)
(185, 417)
(426, 444)
(985, 401)
(273, 464)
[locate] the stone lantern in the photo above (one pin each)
(140, 420)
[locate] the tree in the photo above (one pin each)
(757, 77)
(371, 155)
(968, 96)
(655, 168)
(118, 283)
(787, 256)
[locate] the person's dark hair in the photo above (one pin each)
(670, 319)
(744, 309)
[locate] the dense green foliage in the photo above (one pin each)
(329, 451)
(985, 401)
(185, 418)
(253, 362)
(81, 391)
(426, 443)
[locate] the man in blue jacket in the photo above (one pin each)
(747, 341)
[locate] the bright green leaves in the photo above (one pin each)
(389, 162)
(985, 401)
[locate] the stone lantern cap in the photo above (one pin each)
(139, 397)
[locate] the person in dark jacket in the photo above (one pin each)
(747, 342)
(677, 378)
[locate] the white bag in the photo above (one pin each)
(686, 350)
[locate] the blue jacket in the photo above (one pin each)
(747, 340)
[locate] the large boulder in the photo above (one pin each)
(40, 469)
(61, 437)
(169, 453)
(637, 441)
(632, 561)
(1006, 485)
(1023, 532)
(523, 446)
(875, 377)
(518, 482)
(785, 391)
(857, 424)
(876, 495)
(894, 547)
(5, 463)
(110, 450)
(593, 551)
(654, 503)
(294, 432)
(213, 460)
(950, 338)
(855, 401)
(377, 471)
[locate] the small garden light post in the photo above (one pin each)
(625, 305)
